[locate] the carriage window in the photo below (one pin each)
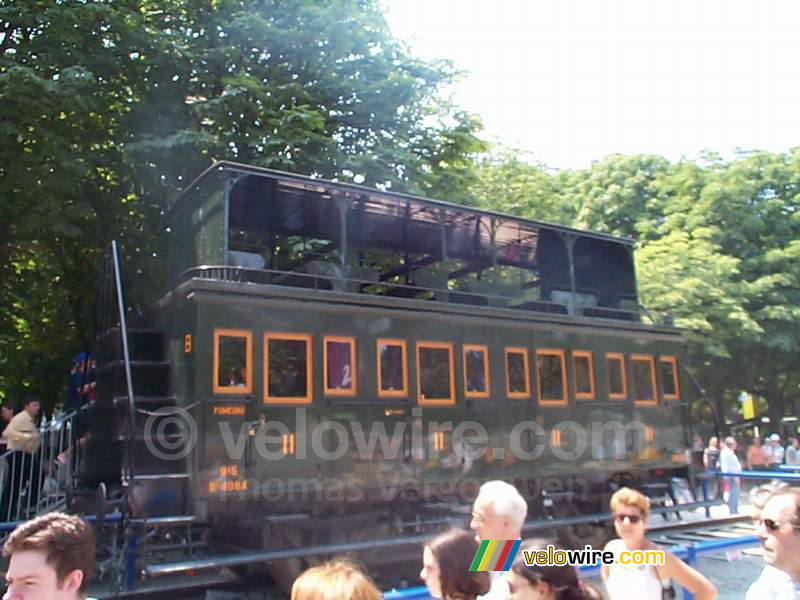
(518, 380)
(287, 368)
(552, 376)
(583, 366)
(669, 377)
(617, 381)
(644, 379)
(476, 371)
(339, 366)
(392, 369)
(435, 378)
(233, 361)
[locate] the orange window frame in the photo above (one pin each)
(527, 392)
(353, 389)
(232, 389)
(618, 356)
(284, 336)
(674, 362)
(421, 400)
(652, 362)
(588, 355)
(481, 348)
(402, 393)
(561, 355)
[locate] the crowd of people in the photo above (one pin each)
(29, 460)
(52, 556)
(728, 456)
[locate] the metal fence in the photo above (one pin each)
(38, 481)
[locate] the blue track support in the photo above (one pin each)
(130, 563)
(789, 467)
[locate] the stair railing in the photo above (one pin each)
(110, 313)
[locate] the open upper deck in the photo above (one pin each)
(270, 227)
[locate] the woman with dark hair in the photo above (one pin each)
(544, 582)
(446, 560)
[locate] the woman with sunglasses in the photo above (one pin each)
(544, 582)
(645, 582)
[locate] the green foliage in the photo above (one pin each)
(109, 107)
(718, 247)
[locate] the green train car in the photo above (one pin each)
(352, 364)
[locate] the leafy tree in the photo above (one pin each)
(110, 107)
(507, 182)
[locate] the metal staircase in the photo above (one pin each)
(138, 434)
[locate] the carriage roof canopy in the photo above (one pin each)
(271, 227)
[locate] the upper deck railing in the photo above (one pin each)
(307, 232)
(393, 290)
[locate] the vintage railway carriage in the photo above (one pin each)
(343, 351)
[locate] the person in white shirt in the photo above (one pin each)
(779, 531)
(729, 463)
(774, 451)
(793, 451)
(498, 513)
(22, 438)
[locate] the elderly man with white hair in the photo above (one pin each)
(729, 463)
(498, 513)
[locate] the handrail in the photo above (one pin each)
(123, 327)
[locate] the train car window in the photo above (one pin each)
(551, 374)
(617, 379)
(583, 369)
(392, 368)
(339, 370)
(476, 371)
(435, 377)
(233, 361)
(518, 379)
(669, 377)
(287, 368)
(644, 379)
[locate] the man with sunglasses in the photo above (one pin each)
(779, 531)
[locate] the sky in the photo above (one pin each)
(572, 81)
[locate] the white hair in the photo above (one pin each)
(505, 500)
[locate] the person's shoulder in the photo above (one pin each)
(771, 584)
(498, 588)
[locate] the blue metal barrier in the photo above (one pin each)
(412, 593)
(110, 518)
(781, 474)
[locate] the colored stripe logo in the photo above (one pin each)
(495, 555)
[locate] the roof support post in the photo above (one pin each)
(569, 240)
(343, 203)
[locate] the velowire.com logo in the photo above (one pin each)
(495, 555)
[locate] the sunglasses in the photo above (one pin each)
(633, 519)
(770, 525)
